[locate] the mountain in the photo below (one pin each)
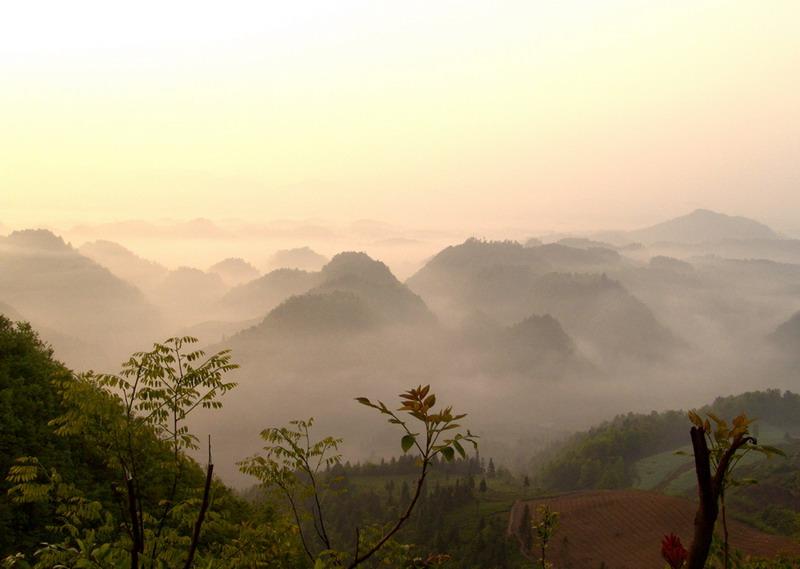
(670, 265)
(537, 345)
(336, 312)
(602, 312)
(257, 297)
(583, 243)
(478, 275)
(188, 295)
(640, 451)
(786, 337)
(199, 228)
(501, 268)
(353, 292)
(125, 263)
(215, 331)
(234, 271)
(703, 225)
(506, 281)
(373, 282)
(53, 285)
(303, 258)
(612, 454)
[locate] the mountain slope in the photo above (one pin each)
(125, 264)
(623, 529)
(604, 314)
(786, 337)
(373, 282)
(496, 276)
(234, 271)
(55, 286)
(303, 258)
(256, 298)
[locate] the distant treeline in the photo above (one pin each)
(605, 456)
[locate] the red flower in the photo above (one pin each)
(673, 551)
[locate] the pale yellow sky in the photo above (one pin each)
(428, 113)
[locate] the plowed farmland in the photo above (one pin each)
(623, 529)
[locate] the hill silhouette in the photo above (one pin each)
(703, 225)
(786, 336)
(125, 263)
(257, 297)
(373, 282)
(312, 313)
(234, 271)
(507, 281)
(53, 285)
(188, 295)
(303, 258)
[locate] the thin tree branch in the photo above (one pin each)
(399, 523)
(203, 508)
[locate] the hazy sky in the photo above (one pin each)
(536, 113)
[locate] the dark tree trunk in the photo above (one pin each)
(709, 488)
(200, 517)
(136, 536)
(708, 509)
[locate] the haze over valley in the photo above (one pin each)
(410, 285)
(541, 336)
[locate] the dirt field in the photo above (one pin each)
(623, 529)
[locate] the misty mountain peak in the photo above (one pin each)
(107, 247)
(38, 239)
(704, 225)
(360, 265)
(234, 270)
(304, 258)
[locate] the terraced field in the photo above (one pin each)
(623, 529)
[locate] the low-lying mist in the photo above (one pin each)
(534, 339)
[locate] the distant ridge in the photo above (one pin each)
(703, 225)
(235, 271)
(787, 335)
(124, 263)
(353, 292)
(303, 258)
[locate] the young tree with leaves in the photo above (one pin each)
(544, 527)
(292, 462)
(718, 450)
(131, 417)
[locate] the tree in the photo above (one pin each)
(138, 419)
(717, 452)
(29, 400)
(545, 526)
(482, 486)
(291, 462)
(490, 471)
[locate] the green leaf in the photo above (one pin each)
(407, 442)
(448, 454)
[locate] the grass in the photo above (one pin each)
(672, 474)
(653, 471)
